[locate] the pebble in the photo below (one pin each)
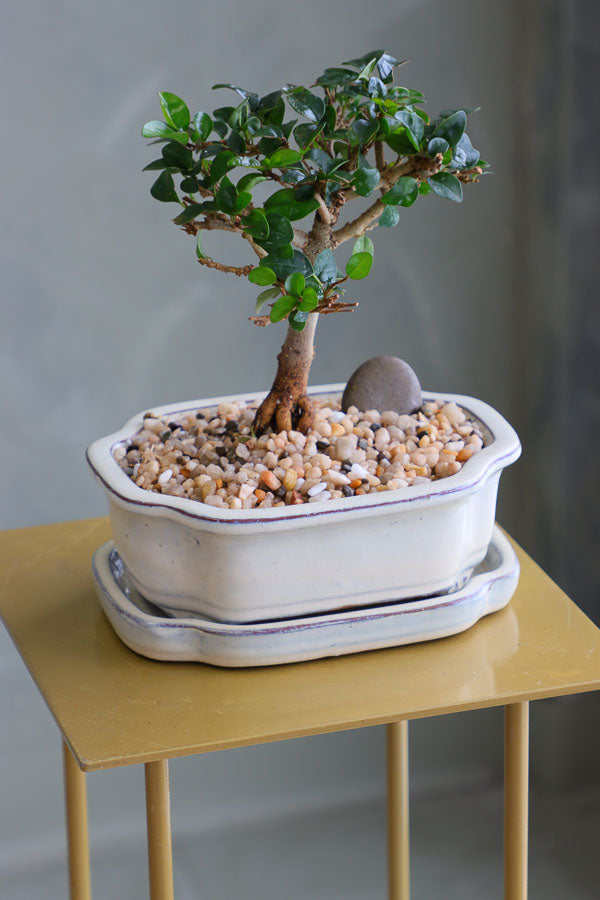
(383, 383)
(213, 456)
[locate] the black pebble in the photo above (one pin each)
(222, 451)
(280, 492)
(165, 435)
(174, 426)
(232, 425)
(347, 490)
(363, 444)
(375, 427)
(200, 415)
(346, 466)
(322, 445)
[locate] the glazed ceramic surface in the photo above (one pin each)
(251, 565)
(147, 630)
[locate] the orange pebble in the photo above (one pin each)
(260, 495)
(466, 453)
(356, 483)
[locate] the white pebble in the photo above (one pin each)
(323, 495)
(359, 471)
(337, 416)
(317, 489)
(165, 476)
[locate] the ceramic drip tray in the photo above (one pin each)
(151, 632)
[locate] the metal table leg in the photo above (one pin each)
(516, 790)
(398, 812)
(77, 828)
(158, 816)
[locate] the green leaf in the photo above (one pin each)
(446, 186)
(223, 161)
(262, 298)
(177, 156)
(256, 224)
(233, 87)
(202, 123)
(220, 128)
(297, 319)
(226, 196)
(403, 193)
(437, 145)
(224, 113)
(364, 244)
(306, 132)
(285, 201)
(189, 185)
(174, 110)
(307, 104)
(363, 130)
(336, 77)
(295, 283)
(413, 125)
(154, 165)
(236, 141)
(282, 267)
(242, 201)
(423, 189)
(309, 300)
(385, 62)
(465, 156)
(281, 232)
(247, 182)
(322, 159)
(452, 127)
(190, 212)
(199, 249)
(282, 158)
(163, 132)
(326, 267)
(262, 275)
(365, 181)
(156, 129)
(389, 218)
(359, 265)
(400, 143)
(365, 74)
(282, 308)
(163, 189)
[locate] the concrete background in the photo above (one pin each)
(105, 312)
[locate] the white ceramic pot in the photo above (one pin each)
(254, 565)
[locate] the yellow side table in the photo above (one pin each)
(115, 708)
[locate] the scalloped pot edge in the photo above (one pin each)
(251, 565)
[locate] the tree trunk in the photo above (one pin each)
(287, 405)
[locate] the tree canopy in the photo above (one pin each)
(352, 134)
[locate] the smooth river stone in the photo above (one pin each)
(383, 383)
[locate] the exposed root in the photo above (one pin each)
(306, 416)
(282, 412)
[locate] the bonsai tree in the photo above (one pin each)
(355, 135)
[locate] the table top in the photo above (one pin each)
(114, 707)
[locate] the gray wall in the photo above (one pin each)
(105, 312)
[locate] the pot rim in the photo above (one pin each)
(504, 448)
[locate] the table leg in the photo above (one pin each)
(158, 816)
(77, 828)
(398, 823)
(516, 790)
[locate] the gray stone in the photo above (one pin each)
(383, 383)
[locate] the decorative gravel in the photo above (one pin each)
(213, 456)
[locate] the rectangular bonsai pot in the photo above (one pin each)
(252, 565)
